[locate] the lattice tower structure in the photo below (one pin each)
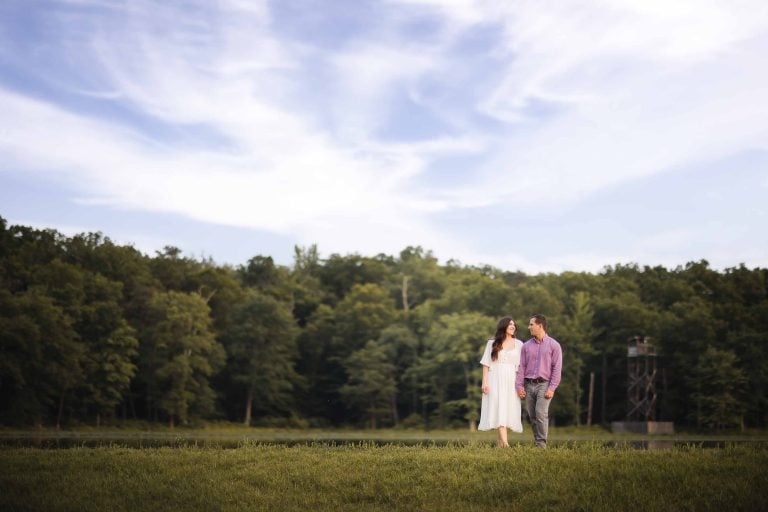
(641, 379)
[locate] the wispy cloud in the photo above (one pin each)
(230, 118)
(629, 89)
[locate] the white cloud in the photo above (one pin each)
(368, 77)
(276, 170)
(577, 97)
(634, 89)
(313, 191)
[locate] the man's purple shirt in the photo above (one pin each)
(543, 360)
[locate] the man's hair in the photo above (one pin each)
(541, 320)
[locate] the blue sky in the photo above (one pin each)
(535, 136)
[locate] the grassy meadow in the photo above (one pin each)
(461, 475)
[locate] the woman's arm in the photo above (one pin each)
(486, 388)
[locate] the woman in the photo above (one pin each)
(501, 405)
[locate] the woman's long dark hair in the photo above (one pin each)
(501, 333)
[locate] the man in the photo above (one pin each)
(541, 363)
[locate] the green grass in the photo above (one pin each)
(229, 435)
(391, 477)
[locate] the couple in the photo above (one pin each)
(513, 370)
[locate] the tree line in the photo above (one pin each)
(92, 331)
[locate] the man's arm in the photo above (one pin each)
(557, 368)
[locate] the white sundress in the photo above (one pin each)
(501, 406)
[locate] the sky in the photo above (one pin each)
(539, 136)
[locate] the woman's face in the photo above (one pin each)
(511, 329)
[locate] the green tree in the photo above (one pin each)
(320, 363)
(108, 367)
(109, 345)
(450, 365)
(719, 383)
(749, 346)
(23, 251)
(222, 290)
(308, 292)
(262, 274)
(576, 339)
(183, 354)
(172, 269)
(40, 357)
(402, 348)
(361, 316)
(418, 277)
(470, 289)
(339, 274)
(261, 345)
(533, 298)
(370, 383)
(685, 330)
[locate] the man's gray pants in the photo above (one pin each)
(538, 410)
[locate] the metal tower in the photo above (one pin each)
(641, 377)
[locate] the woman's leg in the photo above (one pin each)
(503, 437)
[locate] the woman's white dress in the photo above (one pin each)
(501, 406)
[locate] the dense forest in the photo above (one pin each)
(95, 332)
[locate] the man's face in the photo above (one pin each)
(536, 329)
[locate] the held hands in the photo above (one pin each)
(548, 394)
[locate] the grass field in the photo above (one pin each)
(364, 476)
(238, 432)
